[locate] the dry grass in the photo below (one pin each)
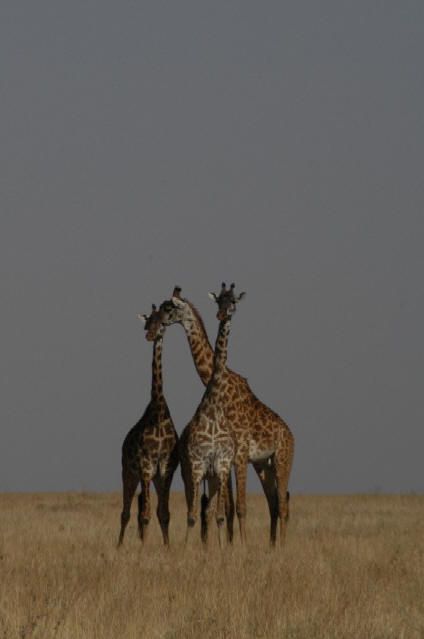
(351, 567)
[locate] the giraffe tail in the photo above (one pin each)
(204, 503)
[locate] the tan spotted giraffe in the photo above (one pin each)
(261, 436)
(150, 450)
(207, 444)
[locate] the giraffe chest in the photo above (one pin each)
(157, 440)
(211, 425)
(210, 442)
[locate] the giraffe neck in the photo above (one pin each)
(157, 384)
(201, 350)
(220, 355)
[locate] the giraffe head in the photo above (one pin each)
(226, 301)
(153, 325)
(174, 310)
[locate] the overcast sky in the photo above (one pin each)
(277, 145)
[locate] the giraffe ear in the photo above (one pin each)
(177, 302)
(213, 297)
(241, 296)
(142, 318)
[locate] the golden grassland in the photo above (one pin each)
(351, 566)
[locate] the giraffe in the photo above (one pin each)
(207, 444)
(261, 436)
(150, 451)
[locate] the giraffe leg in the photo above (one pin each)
(163, 486)
(240, 467)
(186, 477)
(204, 509)
(162, 511)
(266, 474)
(164, 516)
(222, 500)
(282, 469)
(130, 482)
(144, 505)
(193, 503)
(186, 474)
(208, 507)
(229, 510)
(141, 499)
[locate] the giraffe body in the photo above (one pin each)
(207, 444)
(149, 451)
(261, 436)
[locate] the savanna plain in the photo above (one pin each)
(351, 566)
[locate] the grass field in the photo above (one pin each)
(351, 567)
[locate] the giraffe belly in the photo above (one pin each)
(256, 453)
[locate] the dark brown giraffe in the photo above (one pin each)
(207, 444)
(262, 437)
(149, 451)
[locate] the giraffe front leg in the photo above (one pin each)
(240, 468)
(208, 506)
(144, 509)
(229, 509)
(144, 503)
(130, 482)
(193, 502)
(186, 475)
(162, 511)
(220, 507)
(224, 472)
(163, 486)
(282, 470)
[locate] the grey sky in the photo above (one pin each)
(277, 145)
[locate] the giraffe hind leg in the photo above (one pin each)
(266, 474)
